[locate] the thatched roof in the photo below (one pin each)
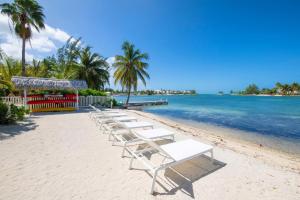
(47, 83)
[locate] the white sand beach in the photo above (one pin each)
(65, 156)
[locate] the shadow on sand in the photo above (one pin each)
(9, 131)
(182, 176)
(81, 110)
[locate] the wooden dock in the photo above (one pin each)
(146, 103)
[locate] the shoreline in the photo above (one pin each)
(284, 145)
(216, 136)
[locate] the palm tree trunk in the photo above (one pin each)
(128, 96)
(23, 57)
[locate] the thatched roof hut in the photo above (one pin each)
(47, 83)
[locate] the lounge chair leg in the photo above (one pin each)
(124, 148)
(131, 161)
(109, 136)
(113, 142)
(153, 182)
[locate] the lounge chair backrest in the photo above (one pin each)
(156, 146)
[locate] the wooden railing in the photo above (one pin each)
(83, 101)
(19, 101)
(86, 101)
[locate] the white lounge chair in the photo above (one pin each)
(151, 134)
(174, 153)
(128, 126)
(97, 111)
(101, 121)
(108, 115)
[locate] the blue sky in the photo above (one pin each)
(207, 45)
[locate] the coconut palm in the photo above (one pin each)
(295, 88)
(130, 67)
(6, 84)
(37, 69)
(24, 15)
(1, 54)
(92, 68)
(65, 65)
(279, 86)
(286, 89)
(9, 68)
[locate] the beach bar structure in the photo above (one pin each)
(48, 103)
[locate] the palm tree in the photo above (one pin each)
(9, 68)
(65, 65)
(130, 67)
(37, 69)
(279, 86)
(24, 14)
(1, 54)
(6, 84)
(286, 89)
(92, 68)
(295, 88)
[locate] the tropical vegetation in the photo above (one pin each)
(72, 61)
(1, 54)
(93, 68)
(130, 68)
(24, 15)
(279, 89)
(10, 113)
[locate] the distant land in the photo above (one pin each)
(154, 92)
(278, 90)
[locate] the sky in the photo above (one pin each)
(206, 45)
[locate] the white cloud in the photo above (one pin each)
(44, 42)
(55, 33)
(111, 61)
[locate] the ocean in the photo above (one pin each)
(276, 118)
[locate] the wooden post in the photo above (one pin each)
(25, 98)
(111, 102)
(77, 100)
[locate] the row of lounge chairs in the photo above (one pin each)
(129, 132)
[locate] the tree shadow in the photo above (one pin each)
(82, 110)
(9, 131)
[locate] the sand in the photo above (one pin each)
(65, 156)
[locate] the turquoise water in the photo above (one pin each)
(278, 117)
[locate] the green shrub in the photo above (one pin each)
(52, 92)
(3, 113)
(115, 102)
(86, 92)
(11, 113)
(91, 92)
(18, 113)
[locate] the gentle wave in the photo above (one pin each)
(269, 116)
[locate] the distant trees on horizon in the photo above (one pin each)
(279, 89)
